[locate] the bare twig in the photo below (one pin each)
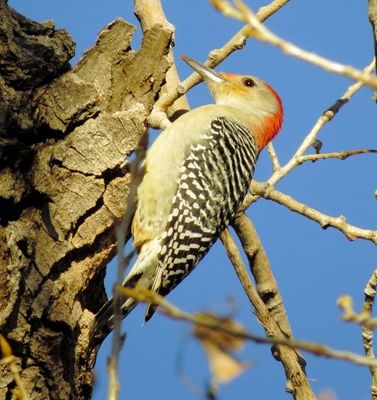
(326, 117)
(121, 232)
(274, 157)
(372, 15)
(298, 386)
(342, 155)
(260, 32)
(166, 100)
(141, 294)
(366, 321)
(340, 223)
(308, 141)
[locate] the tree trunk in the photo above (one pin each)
(64, 136)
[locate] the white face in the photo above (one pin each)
(246, 92)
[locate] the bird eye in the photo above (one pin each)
(248, 82)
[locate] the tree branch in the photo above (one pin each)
(260, 32)
(296, 381)
(121, 232)
(166, 100)
(308, 141)
(149, 13)
(372, 15)
(339, 155)
(350, 231)
(141, 294)
(274, 157)
(261, 270)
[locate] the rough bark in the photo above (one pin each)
(64, 136)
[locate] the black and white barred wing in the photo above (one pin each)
(214, 180)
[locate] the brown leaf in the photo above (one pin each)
(218, 346)
(225, 340)
(224, 367)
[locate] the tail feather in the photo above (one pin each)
(104, 319)
(142, 273)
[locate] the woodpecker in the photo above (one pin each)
(195, 177)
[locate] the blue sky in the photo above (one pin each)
(313, 267)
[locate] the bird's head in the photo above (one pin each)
(254, 97)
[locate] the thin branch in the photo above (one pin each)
(143, 295)
(274, 157)
(299, 386)
(350, 231)
(260, 32)
(339, 155)
(364, 319)
(308, 141)
(324, 118)
(121, 233)
(156, 119)
(372, 15)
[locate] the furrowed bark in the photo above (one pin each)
(64, 136)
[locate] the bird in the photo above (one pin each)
(196, 175)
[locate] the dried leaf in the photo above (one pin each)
(224, 367)
(225, 340)
(218, 346)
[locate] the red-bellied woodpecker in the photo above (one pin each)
(196, 175)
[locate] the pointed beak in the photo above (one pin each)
(206, 73)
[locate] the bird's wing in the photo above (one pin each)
(214, 179)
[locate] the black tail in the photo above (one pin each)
(104, 319)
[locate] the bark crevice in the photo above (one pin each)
(65, 135)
